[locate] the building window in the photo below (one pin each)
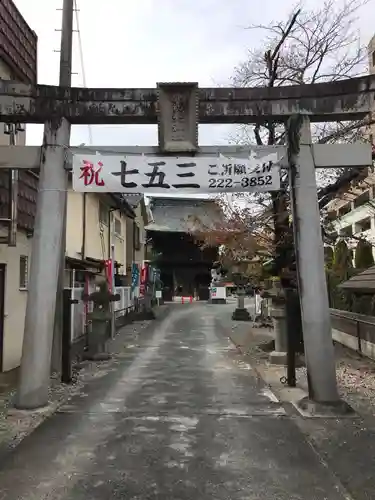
(363, 225)
(24, 271)
(103, 214)
(362, 199)
(331, 215)
(137, 238)
(345, 209)
(347, 231)
(333, 235)
(118, 227)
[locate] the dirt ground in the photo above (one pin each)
(355, 373)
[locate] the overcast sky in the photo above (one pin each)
(136, 43)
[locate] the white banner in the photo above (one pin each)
(145, 174)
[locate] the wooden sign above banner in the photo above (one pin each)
(178, 117)
(145, 174)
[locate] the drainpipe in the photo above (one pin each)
(111, 224)
(134, 224)
(84, 209)
(12, 130)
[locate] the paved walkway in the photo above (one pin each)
(179, 418)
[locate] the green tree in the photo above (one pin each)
(363, 255)
(342, 261)
(341, 270)
(328, 257)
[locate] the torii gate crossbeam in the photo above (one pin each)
(339, 101)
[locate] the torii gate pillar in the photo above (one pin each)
(316, 321)
(44, 269)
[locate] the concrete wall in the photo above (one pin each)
(15, 299)
(97, 236)
(97, 244)
(355, 331)
(74, 226)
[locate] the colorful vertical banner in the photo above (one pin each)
(144, 278)
(135, 277)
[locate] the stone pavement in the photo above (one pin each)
(346, 445)
(180, 415)
(15, 424)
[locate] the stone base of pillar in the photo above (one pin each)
(97, 341)
(29, 402)
(308, 407)
(278, 358)
(217, 301)
(241, 315)
(146, 314)
(96, 356)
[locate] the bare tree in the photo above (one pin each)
(313, 46)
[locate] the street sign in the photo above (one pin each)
(142, 174)
(218, 292)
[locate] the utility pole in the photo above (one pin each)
(48, 243)
(65, 80)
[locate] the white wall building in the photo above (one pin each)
(14, 264)
(353, 213)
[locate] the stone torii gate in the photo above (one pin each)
(177, 109)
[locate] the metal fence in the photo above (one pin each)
(79, 323)
(78, 315)
(354, 330)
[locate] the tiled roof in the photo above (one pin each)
(133, 199)
(181, 214)
(361, 283)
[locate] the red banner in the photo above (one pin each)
(144, 272)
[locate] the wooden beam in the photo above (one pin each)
(203, 151)
(20, 157)
(325, 155)
(342, 155)
(357, 154)
(343, 100)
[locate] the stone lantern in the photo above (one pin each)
(240, 280)
(277, 294)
